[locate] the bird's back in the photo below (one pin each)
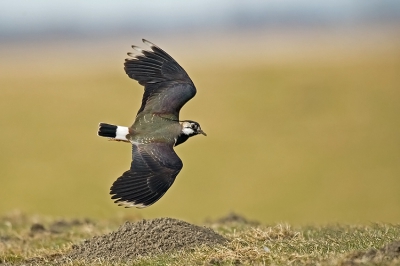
(154, 128)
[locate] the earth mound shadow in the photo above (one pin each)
(145, 238)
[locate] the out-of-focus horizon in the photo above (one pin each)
(299, 100)
(81, 19)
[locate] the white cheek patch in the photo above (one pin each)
(187, 131)
(121, 133)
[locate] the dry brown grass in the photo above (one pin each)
(249, 244)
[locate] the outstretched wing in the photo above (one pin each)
(153, 170)
(167, 86)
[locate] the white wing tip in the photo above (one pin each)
(137, 48)
(148, 43)
(128, 204)
(133, 55)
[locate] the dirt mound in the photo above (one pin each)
(144, 238)
(389, 252)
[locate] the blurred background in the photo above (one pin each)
(300, 101)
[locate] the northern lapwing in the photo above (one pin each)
(156, 130)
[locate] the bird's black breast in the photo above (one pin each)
(181, 139)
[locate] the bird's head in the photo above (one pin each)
(191, 128)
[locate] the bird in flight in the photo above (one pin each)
(156, 129)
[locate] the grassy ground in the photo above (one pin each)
(39, 240)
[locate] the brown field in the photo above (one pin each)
(301, 128)
(228, 240)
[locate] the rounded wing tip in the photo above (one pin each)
(148, 43)
(128, 204)
(137, 48)
(133, 55)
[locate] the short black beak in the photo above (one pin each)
(202, 132)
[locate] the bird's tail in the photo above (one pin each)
(113, 132)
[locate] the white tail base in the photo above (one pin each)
(121, 133)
